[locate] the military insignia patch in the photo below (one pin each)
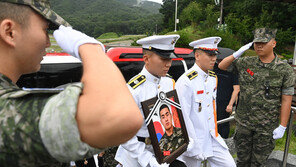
(174, 41)
(137, 81)
(250, 72)
(216, 40)
(192, 75)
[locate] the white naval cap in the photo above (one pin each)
(163, 45)
(209, 44)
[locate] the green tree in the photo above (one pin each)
(192, 15)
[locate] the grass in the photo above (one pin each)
(108, 35)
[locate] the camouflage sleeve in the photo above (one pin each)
(289, 82)
(232, 68)
(58, 127)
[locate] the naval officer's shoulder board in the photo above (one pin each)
(192, 74)
(174, 82)
(212, 74)
(137, 81)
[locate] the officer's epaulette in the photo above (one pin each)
(212, 73)
(137, 81)
(192, 75)
(168, 75)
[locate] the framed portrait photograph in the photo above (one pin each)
(166, 126)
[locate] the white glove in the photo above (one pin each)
(70, 40)
(200, 157)
(154, 163)
(238, 53)
(279, 132)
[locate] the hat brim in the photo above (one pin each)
(212, 52)
(261, 40)
(54, 19)
(169, 54)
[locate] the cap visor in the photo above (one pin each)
(261, 40)
(54, 19)
(171, 55)
(212, 52)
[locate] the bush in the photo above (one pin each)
(187, 35)
(228, 39)
(284, 39)
(192, 15)
(242, 27)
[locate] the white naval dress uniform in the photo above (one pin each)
(197, 92)
(134, 153)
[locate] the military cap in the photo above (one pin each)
(264, 34)
(43, 8)
(163, 45)
(209, 45)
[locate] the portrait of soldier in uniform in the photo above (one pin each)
(172, 138)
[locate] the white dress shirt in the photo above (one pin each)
(197, 98)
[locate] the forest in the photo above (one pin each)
(198, 18)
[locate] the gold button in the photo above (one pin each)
(208, 105)
(158, 86)
(207, 93)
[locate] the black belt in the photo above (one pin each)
(145, 140)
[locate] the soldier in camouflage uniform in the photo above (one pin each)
(267, 86)
(44, 127)
(173, 137)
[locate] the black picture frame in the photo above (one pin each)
(154, 104)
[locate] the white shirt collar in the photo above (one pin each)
(149, 76)
(200, 71)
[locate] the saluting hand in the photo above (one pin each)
(238, 53)
(70, 40)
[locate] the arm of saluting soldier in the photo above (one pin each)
(184, 96)
(226, 62)
(105, 102)
(80, 117)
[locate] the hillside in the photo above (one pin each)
(96, 17)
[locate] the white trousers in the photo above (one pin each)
(221, 158)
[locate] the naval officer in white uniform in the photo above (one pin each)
(158, 52)
(196, 90)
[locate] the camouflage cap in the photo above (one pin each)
(43, 8)
(264, 34)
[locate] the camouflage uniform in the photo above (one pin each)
(261, 88)
(173, 142)
(38, 127)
